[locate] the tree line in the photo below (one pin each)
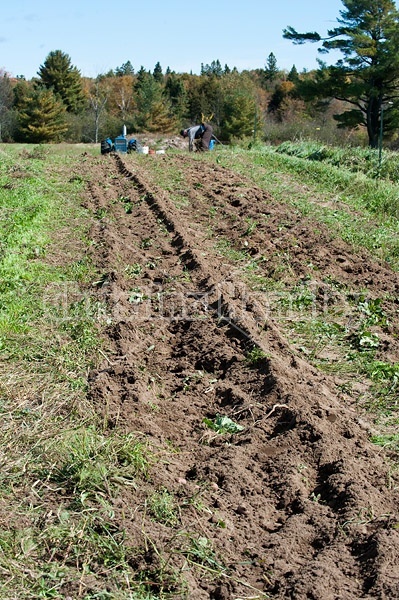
(358, 93)
(61, 105)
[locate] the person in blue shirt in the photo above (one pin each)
(203, 133)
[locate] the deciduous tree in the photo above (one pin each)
(98, 92)
(6, 103)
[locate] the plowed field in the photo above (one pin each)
(277, 489)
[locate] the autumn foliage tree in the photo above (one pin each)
(6, 104)
(242, 104)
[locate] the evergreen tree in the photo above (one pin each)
(212, 98)
(41, 117)
(157, 73)
(21, 90)
(176, 94)
(193, 88)
(240, 111)
(107, 75)
(293, 75)
(125, 69)
(153, 113)
(142, 75)
(58, 74)
(214, 69)
(160, 118)
(279, 100)
(367, 76)
(271, 70)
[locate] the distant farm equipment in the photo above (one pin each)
(121, 144)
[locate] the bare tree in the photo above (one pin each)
(98, 98)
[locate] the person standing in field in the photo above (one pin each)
(203, 133)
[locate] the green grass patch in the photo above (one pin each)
(387, 441)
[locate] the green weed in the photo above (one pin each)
(133, 270)
(163, 507)
(100, 213)
(364, 339)
(213, 211)
(136, 296)
(146, 243)
(252, 225)
(223, 424)
(255, 356)
(373, 311)
(384, 372)
(127, 204)
(225, 248)
(201, 552)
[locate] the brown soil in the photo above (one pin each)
(297, 504)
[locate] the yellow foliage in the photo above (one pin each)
(287, 86)
(206, 119)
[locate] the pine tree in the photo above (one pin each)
(160, 118)
(367, 75)
(240, 111)
(293, 75)
(41, 117)
(153, 110)
(271, 70)
(58, 74)
(240, 114)
(176, 94)
(157, 73)
(214, 69)
(125, 69)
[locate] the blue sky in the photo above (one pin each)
(100, 35)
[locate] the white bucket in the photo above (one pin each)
(145, 149)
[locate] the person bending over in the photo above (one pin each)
(199, 136)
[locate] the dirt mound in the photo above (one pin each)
(279, 491)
